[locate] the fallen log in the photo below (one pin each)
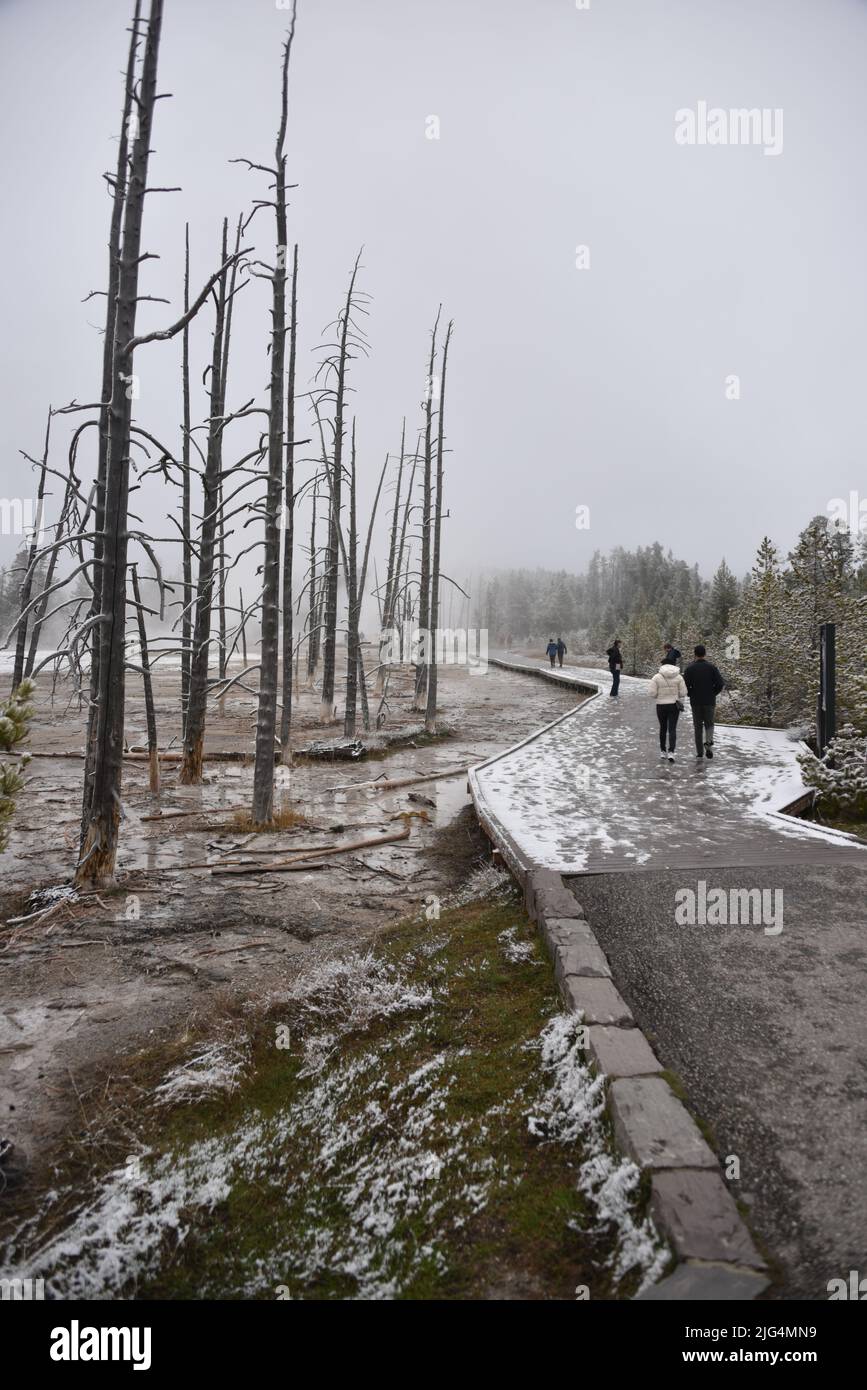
(393, 784)
(199, 811)
(246, 859)
(346, 750)
(311, 858)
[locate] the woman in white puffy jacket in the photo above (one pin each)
(667, 688)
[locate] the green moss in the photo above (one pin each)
(290, 1218)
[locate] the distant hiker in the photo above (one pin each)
(561, 650)
(704, 683)
(672, 655)
(551, 651)
(669, 691)
(615, 665)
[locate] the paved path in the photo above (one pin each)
(768, 1033)
(589, 794)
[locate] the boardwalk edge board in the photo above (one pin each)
(716, 1259)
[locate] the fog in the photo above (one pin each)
(602, 387)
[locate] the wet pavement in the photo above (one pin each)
(762, 1015)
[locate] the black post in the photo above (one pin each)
(826, 722)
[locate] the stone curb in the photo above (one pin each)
(690, 1203)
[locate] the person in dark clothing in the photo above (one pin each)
(561, 650)
(703, 684)
(672, 655)
(551, 651)
(615, 665)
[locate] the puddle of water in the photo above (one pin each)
(451, 798)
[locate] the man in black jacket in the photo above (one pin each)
(703, 684)
(671, 654)
(615, 666)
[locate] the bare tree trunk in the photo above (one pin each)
(224, 374)
(99, 852)
(194, 733)
(186, 505)
(335, 474)
(313, 606)
(41, 608)
(119, 192)
(386, 622)
(150, 715)
(352, 604)
(222, 653)
(424, 575)
(430, 719)
(29, 573)
(243, 627)
(289, 531)
(266, 724)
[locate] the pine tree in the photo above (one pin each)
(723, 597)
(771, 671)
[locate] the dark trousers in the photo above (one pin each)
(615, 679)
(553, 657)
(702, 720)
(559, 659)
(667, 716)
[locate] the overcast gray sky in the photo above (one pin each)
(602, 387)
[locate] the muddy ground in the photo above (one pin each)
(103, 976)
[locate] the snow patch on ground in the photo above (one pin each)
(571, 1111)
(215, 1069)
(516, 952)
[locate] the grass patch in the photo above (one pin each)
(852, 827)
(412, 1123)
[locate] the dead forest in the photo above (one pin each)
(267, 486)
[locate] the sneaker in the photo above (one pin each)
(708, 750)
(699, 756)
(671, 757)
(662, 756)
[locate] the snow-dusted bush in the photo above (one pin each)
(840, 777)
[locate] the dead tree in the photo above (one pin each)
(266, 723)
(33, 551)
(313, 606)
(150, 715)
(186, 501)
(40, 611)
(194, 730)
(352, 602)
(362, 681)
(419, 699)
(338, 367)
(289, 529)
(222, 533)
(99, 850)
(431, 710)
(386, 622)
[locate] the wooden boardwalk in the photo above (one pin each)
(588, 793)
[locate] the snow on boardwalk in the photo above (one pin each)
(588, 793)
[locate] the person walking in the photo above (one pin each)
(672, 655)
(615, 665)
(561, 650)
(703, 682)
(551, 651)
(668, 689)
